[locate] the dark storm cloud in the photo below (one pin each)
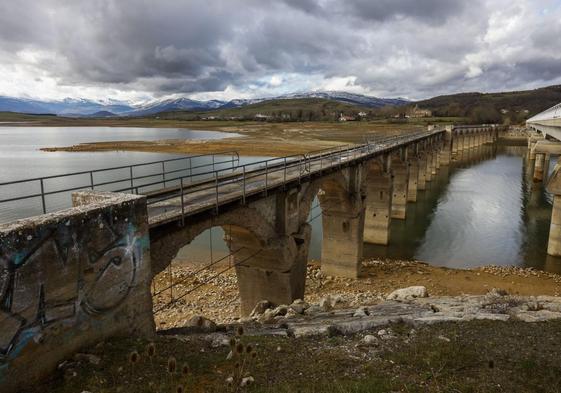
(401, 47)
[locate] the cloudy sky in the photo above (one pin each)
(137, 50)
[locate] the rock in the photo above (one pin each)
(325, 303)
(201, 323)
(386, 334)
(299, 306)
(218, 340)
(280, 310)
(499, 292)
(87, 358)
(260, 308)
(246, 381)
(291, 314)
(361, 312)
(369, 340)
(313, 309)
(408, 293)
(337, 299)
(267, 317)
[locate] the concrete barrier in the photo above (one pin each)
(70, 279)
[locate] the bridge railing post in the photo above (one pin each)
(43, 203)
(284, 175)
(132, 179)
(243, 188)
(91, 180)
(266, 176)
(182, 204)
(164, 173)
(216, 189)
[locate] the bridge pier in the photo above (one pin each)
(378, 187)
(413, 180)
(343, 219)
(539, 167)
(446, 151)
(422, 172)
(554, 187)
(276, 273)
(430, 165)
(400, 174)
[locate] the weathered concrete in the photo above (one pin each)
(343, 217)
(269, 238)
(539, 167)
(70, 279)
(413, 180)
(422, 175)
(400, 175)
(379, 191)
(554, 187)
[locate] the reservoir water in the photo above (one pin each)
(484, 209)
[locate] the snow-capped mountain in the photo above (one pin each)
(350, 98)
(174, 104)
(68, 106)
(84, 107)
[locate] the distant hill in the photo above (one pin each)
(89, 108)
(102, 114)
(350, 98)
(283, 109)
(464, 104)
(66, 107)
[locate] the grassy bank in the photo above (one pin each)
(477, 356)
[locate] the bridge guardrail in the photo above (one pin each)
(218, 179)
(317, 161)
(87, 179)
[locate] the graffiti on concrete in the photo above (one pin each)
(58, 272)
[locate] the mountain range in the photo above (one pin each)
(89, 108)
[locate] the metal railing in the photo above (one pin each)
(127, 174)
(212, 180)
(259, 177)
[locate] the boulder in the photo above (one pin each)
(408, 293)
(361, 312)
(299, 306)
(260, 308)
(325, 304)
(369, 340)
(201, 323)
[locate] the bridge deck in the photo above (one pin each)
(181, 202)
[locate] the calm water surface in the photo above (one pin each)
(482, 210)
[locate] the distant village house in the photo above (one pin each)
(343, 117)
(418, 112)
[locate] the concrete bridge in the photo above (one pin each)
(265, 212)
(542, 143)
(76, 276)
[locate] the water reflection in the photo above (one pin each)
(483, 209)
